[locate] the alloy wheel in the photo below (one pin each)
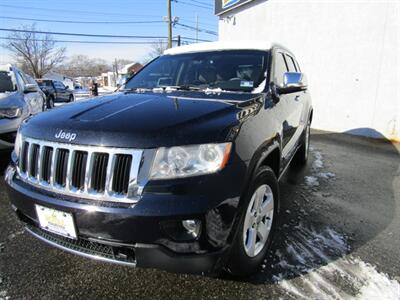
(258, 220)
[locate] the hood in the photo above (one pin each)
(12, 99)
(143, 120)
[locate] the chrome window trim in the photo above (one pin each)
(108, 195)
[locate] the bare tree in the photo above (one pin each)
(157, 49)
(82, 65)
(35, 53)
(119, 63)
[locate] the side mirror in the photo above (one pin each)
(30, 88)
(67, 87)
(293, 82)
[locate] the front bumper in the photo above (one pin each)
(137, 235)
(8, 130)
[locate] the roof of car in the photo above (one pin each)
(221, 45)
(6, 67)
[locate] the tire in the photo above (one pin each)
(50, 102)
(246, 257)
(71, 98)
(301, 156)
(44, 105)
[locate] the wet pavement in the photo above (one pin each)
(339, 237)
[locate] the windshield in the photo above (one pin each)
(241, 70)
(7, 84)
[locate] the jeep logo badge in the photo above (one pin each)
(69, 136)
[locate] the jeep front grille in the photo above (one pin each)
(98, 173)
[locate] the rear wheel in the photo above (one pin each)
(257, 224)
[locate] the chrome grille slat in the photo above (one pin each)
(105, 170)
(88, 171)
(71, 158)
(39, 164)
(53, 163)
(29, 161)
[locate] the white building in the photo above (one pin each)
(348, 49)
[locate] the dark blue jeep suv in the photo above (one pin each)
(178, 170)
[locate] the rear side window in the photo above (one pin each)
(297, 65)
(280, 68)
(290, 63)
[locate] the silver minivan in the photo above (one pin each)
(19, 99)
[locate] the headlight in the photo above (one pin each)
(12, 112)
(18, 144)
(188, 161)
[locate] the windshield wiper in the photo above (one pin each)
(139, 89)
(181, 87)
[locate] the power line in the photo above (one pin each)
(202, 3)
(197, 29)
(192, 4)
(84, 34)
(85, 42)
(94, 35)
(82, 22)
(74, 11)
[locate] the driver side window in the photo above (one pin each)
(280, 68)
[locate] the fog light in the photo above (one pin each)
(193, 227)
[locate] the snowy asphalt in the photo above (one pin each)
(339, 237)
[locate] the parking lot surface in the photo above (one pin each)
(339, 237)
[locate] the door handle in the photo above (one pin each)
(297, 98)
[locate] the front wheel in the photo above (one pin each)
(254, 236)
(71, 98)
(50, 103)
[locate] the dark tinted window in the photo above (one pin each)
(44, 83)
(290, 63)
(7, 84)
(241, 70)
(280, 68)
(59, 85)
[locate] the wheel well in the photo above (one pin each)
(273, 161)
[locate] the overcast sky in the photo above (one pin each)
(106, 10)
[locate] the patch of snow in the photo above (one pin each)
(311, 181)
(316, 265)
(3, 295)
(326, 175)
(318, 162)
(378, 286)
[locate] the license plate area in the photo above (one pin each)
(55, 221)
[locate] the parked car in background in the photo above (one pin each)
(179, 170)
(33, 81)
(19, 99)
(55, 91)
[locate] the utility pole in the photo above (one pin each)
(169, 24)
(179, 40)
(197, 28)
